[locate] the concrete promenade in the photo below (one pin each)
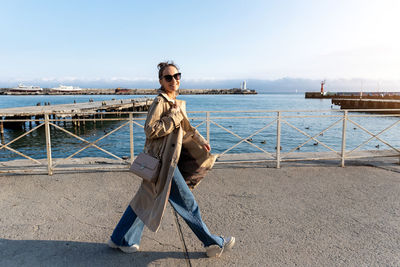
(304, 214)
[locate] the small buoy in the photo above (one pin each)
(315, 144)
(307, 128)
(298, 148)
(250, 139)
(377, 146)
(263, 142)
(354, 128)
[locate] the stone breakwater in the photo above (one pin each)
(128, 91)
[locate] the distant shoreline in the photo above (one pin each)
(123, 91)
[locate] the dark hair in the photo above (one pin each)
(162, 65)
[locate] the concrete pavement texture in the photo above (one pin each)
(310, 215)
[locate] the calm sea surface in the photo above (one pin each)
(64, 145)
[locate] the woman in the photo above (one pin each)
(170, 136)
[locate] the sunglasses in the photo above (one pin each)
(176, 76)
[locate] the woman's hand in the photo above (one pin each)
(207, 147)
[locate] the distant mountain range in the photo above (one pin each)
(262, 86)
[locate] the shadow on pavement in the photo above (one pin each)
(70, 253)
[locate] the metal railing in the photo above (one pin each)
(276, 120)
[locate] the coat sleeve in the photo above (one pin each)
(160, 123)
(192, 131)
(199, 138)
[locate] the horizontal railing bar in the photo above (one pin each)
(273, 160)
(211, 112)
(273, 117)
(373, 156)
(374, 115)
(44, 171)
(301, 159)
(215, 111)
(294, 110)
(71, 114)
(77, 119)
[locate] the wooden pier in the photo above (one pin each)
(75, 110)
(346, 103)
(354, 95)
(138, 104)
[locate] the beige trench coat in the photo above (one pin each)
(167, 131)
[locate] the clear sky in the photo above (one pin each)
(218, 39)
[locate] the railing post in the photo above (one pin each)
(131, 135)
(208, 126)
(48, 144)
(278, 140)
(344, 137)
(1, 132)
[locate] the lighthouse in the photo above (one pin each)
(322, 87)
(243, 85)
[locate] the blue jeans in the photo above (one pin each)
(130, 228)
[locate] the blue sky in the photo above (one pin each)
(210, 40)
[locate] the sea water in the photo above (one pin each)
(227, 128)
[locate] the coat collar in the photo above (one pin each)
(167, 97)
(172, 101)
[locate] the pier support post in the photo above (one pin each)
(48, 145)
(278, 140)
(2, 132)
(131, 135)
(208, 126)
(344, 137)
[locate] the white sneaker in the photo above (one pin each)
(216, 251)
(130, 249)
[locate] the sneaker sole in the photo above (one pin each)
(130, 249)
(230, 244)
(217, 252)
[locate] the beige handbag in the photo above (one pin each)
(147, 167)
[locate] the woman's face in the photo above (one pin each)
(173, 85)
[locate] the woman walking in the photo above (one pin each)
(185, 157)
